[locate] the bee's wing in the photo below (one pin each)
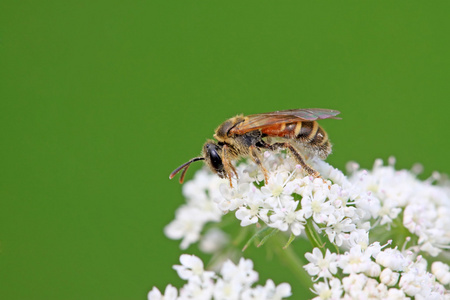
(258, 121)
(307, 114)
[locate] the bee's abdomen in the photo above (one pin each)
(310, 134)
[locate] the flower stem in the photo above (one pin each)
(312, 234)
(292, 261)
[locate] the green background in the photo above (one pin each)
(101, 100)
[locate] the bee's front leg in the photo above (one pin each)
(228, 166)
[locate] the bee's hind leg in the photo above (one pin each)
(297, 156)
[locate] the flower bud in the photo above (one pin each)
(373, 270)
(441, 271)
(388, 277)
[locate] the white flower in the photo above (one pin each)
(358, 237)
(273, 292)
(198, 290)
(388, 277)
(170, 293)
(426, 207)
(325, 291)
(243, 272)
(373, 270)
(339, 227)
(317, 207)
(191, 268)
(396, 294)
(188, 224)
(213, 240)
(411, 283)
(441, 271)
(389, 211)
(355, 261)
(354, 283)
(288, 217)
(199, 209)
(393, 259)
(232, 198)
(320, 265)
(417, 282)
(278, 189)
(232, 282)
(375, 290)
(346, 209)
(227, 290)
(253, 208)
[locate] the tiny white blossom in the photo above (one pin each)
(316, 206)
(278, 189)
(288, 217)
(388, 277)
(198, 290)
(396, 294)
(192, 267)
(325, 291)
(354, 284)
(375, 290)
(213, 240)
(232, 198)
(242, 272)
(279, 292)
(188, 224)
(355, 261)
(388, 212)
(339, 227)
(358, 237)
(320, 265)
(227, 290)
(170, 293)
(441, 271)
(393, 259)
(252, 208)
(373, 270)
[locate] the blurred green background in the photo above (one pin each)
(101, 100)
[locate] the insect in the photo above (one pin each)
(246, 136)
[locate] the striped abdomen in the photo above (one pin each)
(309, 134)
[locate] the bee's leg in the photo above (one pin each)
(297, 155)
(256, 156)
(227, 164)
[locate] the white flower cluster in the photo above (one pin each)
(200, 208)
(233, 282)
(376, 274)
(342, 208)
(425, 207)
(284, 203)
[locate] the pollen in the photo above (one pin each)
(277, 191)
(316, 207)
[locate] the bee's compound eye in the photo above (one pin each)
(216, 161)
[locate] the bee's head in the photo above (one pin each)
(212, 155)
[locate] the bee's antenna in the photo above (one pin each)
(184, 166)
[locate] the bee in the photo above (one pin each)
(247, 136)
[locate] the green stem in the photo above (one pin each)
(241, 236)
(293, 262)
(256, 235)
(312, 234)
